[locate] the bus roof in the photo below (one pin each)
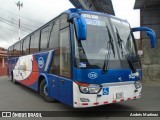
(69, 11)
(72, 10)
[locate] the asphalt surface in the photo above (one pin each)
(20, 98)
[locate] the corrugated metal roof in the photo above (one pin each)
(98, 5)
(150, 15)
(104, 6)
(3, 51)
(151, 18)
(140, 4)
(2, 55)
(76, 3)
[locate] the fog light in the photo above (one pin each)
(137, 84)
(84, 100)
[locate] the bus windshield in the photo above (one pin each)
(125, 38)
(90, 53)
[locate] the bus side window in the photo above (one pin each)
(54, 44)
(21, 47)
(64, 22)
(34, 43)
(18, 49)
(11, 51)
(26, 46)
(65, 53)
(44, 38)
(15, 50)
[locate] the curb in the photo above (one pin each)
(3, 77)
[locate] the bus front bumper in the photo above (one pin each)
(110, 93)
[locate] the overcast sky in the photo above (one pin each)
(35, 13)
(124, 9)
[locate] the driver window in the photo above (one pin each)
(65, 53)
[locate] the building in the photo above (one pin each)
(3, 62)
(150, 17)
(97, 5)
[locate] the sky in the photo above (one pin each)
(124, 9)
(35, 13)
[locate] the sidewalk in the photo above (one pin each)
(151, 83)
(3, 77)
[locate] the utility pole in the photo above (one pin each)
(19, 5)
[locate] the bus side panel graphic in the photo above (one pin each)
(28, 68)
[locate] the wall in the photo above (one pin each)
(151, 62)
(3, 68)
(150, 17)
(3, 71)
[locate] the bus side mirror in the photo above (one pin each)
(149, 32)
(80, 25)
(152, 38)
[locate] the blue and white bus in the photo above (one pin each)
(81, 58)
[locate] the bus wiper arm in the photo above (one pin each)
(111, 41)
(120, 43)
(107, 55)
(130, 63)
(106, 60)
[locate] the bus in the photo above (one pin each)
(81, 58)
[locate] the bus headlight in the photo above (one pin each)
(91, 89)
(84, 89)
(88, 88)
(137, 84)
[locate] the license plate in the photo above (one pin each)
(119, 95)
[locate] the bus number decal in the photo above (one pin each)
(40, 62)
(92, 75)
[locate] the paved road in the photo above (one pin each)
(19, 98)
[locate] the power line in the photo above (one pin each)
(24, 26)
(27, 24)
(20, 16)
(24, 23)
(9, 29)
(14, 25)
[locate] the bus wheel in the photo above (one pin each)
(12, 78)
(44, 92)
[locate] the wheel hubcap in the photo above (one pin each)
(45, 90)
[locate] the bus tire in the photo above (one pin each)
(44, 92)
(12, 78)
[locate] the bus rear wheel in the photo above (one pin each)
(44, 92)
(12, 78)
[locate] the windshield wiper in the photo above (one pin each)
(130, 62)
(120, 43)
(132, 59)
(111, 41)
(107, 55)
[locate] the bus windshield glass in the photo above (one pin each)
(125, 38)
(90, 53)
